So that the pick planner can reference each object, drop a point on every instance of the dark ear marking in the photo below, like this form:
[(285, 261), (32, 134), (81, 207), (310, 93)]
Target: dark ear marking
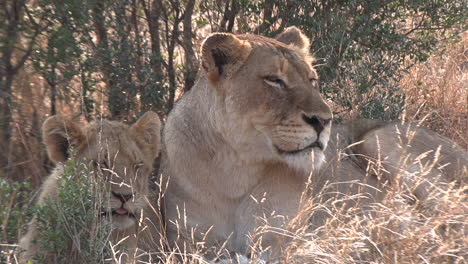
[(294, 36), (65, 146), (222, 54), (220, 59), (59, 134), (146, 132)]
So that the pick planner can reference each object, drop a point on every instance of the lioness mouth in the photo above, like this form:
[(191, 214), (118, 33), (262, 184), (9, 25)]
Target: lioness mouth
[(316, 144)]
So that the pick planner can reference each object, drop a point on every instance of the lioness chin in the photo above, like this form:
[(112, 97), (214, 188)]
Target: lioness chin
[(122, 157), (254, 133)]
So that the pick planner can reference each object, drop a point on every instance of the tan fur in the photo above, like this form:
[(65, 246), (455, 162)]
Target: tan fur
[(232, 146), (123, 155)]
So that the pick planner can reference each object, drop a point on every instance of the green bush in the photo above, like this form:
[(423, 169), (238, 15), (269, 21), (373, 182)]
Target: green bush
[(14, 214), (146, 53), (14, 206), (70, 227)]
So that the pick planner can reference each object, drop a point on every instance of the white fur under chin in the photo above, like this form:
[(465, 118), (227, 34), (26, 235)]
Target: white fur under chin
[(122, 222), (306, 162)]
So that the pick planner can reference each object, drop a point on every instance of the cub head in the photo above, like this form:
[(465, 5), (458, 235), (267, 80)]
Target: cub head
[(122, 155), (269, 105)]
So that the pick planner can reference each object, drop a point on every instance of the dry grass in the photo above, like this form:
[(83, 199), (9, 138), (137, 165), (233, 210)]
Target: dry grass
[(395, 230), (395, 233), (438, 92)]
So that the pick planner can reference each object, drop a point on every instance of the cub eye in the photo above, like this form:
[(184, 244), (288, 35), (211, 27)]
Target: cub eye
[(138, 165), (102, 164), (275, 81)]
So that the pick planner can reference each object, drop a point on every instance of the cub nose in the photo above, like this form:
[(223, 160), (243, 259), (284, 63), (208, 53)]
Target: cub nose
[(123, 197), (316, 122)]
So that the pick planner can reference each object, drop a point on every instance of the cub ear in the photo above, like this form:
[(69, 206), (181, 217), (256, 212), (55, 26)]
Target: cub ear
[(222, 54), (294, 36), (59, 134), (146, 132)]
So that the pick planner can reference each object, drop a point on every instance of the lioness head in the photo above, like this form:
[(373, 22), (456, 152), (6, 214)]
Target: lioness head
[(121, 155), (268, 92)]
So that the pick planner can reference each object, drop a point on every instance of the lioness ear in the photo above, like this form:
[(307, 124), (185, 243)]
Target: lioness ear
[(222, 54), (293, 36), (59, 134), (146, 132)]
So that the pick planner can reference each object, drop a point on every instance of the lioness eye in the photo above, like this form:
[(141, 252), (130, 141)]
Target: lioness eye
[(313, 81), (275, 81)]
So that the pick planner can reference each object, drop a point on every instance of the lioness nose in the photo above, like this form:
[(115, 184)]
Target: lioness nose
[(123, 197), (316, 122)]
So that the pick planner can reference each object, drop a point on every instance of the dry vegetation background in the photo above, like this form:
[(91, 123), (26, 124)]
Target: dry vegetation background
[(99, 78), (437, 91)]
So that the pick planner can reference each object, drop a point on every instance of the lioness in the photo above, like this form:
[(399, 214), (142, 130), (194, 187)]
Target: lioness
[(241, 145), (123, 155)]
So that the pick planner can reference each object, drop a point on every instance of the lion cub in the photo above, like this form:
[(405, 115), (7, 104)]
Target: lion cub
[(123, 157)]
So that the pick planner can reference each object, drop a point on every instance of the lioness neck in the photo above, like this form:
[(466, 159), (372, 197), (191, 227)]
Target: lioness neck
[(197, 127)]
